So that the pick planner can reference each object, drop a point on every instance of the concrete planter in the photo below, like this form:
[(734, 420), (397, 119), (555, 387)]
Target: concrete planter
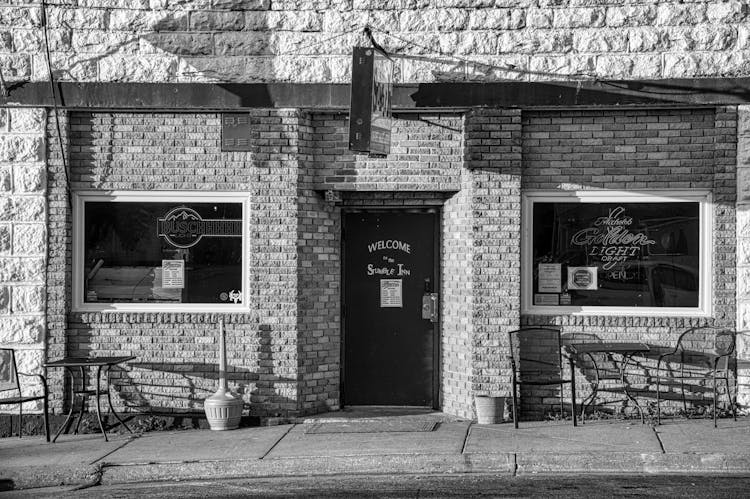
[(223, 410)]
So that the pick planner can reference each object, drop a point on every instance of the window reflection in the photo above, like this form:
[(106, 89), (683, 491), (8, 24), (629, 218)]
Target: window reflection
[(162, 252), (642, 254)]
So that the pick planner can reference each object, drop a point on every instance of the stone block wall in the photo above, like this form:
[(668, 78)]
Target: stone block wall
[(23, 241), (307, 41), (632, 150), (743, 253)]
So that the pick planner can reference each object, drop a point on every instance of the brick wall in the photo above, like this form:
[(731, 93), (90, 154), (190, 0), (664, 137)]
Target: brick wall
[(457, 300), (23, 241), (305, 41), (319, 277), (177, 353), (59, 251), (631, 150), (283, 355), (425, 155), (493, 156)]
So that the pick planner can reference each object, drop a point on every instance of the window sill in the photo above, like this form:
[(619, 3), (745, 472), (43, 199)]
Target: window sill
[(619, 311), (161, 307)]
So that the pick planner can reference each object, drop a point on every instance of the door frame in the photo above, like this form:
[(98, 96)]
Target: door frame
[(437, 258)]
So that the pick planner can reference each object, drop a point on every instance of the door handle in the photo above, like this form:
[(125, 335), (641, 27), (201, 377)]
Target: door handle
[(430, 307)]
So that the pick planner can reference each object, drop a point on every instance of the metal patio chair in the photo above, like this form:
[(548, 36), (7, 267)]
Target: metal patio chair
[(702, 354), (10, 382), (536, 360), (742, 369)]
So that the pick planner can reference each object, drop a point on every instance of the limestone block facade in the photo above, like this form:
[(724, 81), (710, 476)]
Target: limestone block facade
[(494, 100), (309, 41), (743, 247), (23, 237)]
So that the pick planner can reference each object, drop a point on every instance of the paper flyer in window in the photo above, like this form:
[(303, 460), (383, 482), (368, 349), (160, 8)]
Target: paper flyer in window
[(542, 299), (173, 274), (582, 278), (391, 293), (550, 277)]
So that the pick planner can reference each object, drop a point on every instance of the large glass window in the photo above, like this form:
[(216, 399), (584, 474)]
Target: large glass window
[(159, 251), (599, 252)]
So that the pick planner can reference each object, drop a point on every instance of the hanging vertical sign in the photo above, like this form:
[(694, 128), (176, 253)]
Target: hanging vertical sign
[(370, 109)]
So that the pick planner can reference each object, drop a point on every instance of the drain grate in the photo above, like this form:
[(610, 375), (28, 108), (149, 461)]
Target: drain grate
[(371, 427)]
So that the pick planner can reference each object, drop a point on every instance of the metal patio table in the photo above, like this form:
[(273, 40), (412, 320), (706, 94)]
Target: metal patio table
[(626, 350), (82, 363)]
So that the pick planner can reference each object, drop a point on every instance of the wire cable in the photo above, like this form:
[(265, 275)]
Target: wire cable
[(297, 50), (510, 69), (55, 105)]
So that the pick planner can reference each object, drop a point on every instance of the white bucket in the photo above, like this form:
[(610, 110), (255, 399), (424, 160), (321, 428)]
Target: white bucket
[(490, 410)]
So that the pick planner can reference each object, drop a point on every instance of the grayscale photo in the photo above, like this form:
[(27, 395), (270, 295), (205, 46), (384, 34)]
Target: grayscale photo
[(374, 248)]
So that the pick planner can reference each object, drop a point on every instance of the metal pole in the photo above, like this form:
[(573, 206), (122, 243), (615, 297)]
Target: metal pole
[(222, 358)]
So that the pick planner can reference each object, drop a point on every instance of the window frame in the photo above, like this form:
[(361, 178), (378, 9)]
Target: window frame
[(80, 198), (706, 233)]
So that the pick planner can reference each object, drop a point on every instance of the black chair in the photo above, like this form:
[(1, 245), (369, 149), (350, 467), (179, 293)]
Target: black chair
[(741, 368), (9, 381), (701, 354), (536, 360)]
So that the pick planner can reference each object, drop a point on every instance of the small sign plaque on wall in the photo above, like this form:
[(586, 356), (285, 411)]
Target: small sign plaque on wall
[(237, 132)]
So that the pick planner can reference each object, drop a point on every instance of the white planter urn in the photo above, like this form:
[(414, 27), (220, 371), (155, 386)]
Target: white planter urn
[(223, 409)]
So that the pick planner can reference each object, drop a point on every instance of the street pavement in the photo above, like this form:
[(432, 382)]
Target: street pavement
[(349, 443)]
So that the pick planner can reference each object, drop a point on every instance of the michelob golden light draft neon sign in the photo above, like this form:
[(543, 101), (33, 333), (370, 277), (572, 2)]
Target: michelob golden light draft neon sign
[(183, 227), (370, 109)]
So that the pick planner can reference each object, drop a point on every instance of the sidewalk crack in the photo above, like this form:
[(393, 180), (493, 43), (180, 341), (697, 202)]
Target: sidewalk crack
[(277, 442), (466, 437), (658, 439), (130, 439)]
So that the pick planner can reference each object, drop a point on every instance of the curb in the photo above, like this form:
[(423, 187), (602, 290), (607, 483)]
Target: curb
[(33, 477), (501, 463), (311, 466), (510, 464), (630, 462)]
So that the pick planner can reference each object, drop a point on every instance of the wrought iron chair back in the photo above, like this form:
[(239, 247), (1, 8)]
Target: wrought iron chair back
[(742, 369), (10, 381), (536, 359), (700, 354)]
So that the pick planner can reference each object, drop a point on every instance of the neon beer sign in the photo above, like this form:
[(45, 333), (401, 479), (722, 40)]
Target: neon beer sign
[(611, 239), (183, 227)]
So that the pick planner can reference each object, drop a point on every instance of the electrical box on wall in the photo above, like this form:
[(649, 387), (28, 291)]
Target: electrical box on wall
[(238, 132)]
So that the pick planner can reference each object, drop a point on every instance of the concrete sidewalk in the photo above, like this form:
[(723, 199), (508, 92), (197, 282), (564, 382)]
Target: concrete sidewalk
[(335, 445)]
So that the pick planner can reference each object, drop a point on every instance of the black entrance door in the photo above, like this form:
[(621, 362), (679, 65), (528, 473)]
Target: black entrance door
[(389, 348)]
